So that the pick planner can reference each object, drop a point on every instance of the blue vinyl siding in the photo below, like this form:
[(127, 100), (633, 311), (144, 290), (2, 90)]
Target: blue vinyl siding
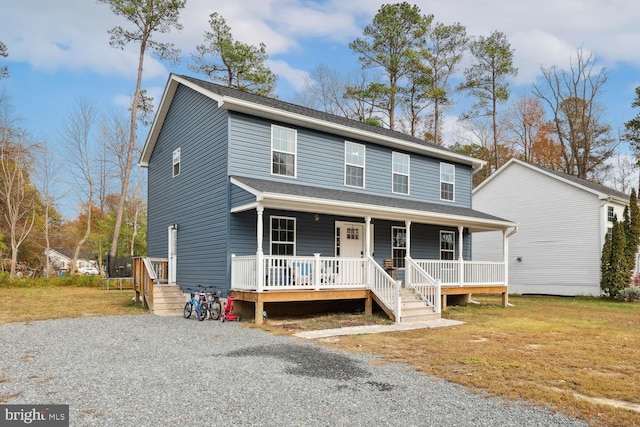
[(320, 162), (198, 198)]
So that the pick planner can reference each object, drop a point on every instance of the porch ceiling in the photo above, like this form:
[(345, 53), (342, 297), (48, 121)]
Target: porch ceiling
[(304, 198)]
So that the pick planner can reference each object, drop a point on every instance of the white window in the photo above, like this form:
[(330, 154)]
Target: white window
[(283, 151), (400, 173), (447, 245), (398, 246), (447, 181), (283, 235), (354, 164), (610, 213), (176, 162)]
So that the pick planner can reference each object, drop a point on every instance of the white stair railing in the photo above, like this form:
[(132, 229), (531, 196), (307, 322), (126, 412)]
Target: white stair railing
[(426, 286)]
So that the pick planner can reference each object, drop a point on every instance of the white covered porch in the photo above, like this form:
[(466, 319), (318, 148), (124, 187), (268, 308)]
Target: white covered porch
[(260, 277)]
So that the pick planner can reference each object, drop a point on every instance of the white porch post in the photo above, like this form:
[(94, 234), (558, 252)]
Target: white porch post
[(367, 238), (259, 253), (460, 257), (407, 271), (173, 254)]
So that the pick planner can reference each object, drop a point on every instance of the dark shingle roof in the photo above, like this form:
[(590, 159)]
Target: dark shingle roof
[(585, 183), (278, 187), (309, 112)]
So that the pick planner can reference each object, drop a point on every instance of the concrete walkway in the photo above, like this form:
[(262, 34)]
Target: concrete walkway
[(376, 329)]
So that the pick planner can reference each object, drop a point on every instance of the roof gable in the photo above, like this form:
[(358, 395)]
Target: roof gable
[(599, 190), (277, 110)]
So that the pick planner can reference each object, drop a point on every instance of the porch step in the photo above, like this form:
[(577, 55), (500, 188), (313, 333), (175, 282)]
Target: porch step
[(168, 300), (414, 309)]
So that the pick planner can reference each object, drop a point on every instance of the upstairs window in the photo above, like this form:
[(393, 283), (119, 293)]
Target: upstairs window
[(283, 151), (400, 173), (354, 164), (447, 181), (176, 162), (447, 245), (610, 214)]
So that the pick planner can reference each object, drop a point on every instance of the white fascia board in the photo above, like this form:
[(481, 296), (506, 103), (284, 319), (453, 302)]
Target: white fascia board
[(285, 201), (247, 207), (259, 194), (241, 106), (163, 110)]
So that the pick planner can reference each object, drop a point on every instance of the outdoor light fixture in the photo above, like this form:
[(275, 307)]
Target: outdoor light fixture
[(316, 217)]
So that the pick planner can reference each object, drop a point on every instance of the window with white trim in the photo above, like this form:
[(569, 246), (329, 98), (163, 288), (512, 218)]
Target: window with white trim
[(447, 245), (398, 246), (176, 162), (354, 164), (400, 178), (610, 214), (447, 181), (283, 151), (283, 235)]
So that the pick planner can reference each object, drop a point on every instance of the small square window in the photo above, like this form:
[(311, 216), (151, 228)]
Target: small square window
[(176, 162)]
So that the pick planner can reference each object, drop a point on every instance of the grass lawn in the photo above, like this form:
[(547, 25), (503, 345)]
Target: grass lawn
[(580, 356)]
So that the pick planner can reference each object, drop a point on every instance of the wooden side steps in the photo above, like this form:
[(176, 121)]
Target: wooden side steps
[(168, 300), (415, 309)]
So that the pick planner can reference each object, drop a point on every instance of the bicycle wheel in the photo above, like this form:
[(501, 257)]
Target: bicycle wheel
[(188, 308), (202, 313), (215, 309)]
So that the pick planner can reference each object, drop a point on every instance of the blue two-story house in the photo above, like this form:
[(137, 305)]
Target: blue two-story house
[(274, 202)]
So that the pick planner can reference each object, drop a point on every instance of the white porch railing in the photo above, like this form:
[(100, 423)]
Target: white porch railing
[(464, 272), (426, 286), (289, 272)]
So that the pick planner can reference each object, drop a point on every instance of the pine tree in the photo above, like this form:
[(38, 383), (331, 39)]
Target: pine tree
[(632, 230), (620, 275), (605, 265)]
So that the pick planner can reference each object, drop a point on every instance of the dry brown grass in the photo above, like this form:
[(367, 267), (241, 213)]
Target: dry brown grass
[(553, 352), (37, 302)]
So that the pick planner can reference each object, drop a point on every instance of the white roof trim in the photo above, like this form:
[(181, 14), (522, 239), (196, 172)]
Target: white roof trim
[(235, 104), (601, 195)]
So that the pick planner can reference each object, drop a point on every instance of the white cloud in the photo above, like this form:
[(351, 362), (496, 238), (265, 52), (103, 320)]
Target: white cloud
[(296, 78)]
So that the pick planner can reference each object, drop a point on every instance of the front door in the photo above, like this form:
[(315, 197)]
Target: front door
[(350, 239)]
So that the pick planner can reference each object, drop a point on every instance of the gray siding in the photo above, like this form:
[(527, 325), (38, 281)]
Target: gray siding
[(197, 199), (320, 162)]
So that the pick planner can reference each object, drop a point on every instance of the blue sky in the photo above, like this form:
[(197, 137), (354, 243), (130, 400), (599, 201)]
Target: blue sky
[(59, 50)]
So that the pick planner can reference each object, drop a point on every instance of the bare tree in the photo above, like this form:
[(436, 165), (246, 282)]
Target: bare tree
[(17, 195), (78, 136), (572, 97), (148, 17), (49, 170)]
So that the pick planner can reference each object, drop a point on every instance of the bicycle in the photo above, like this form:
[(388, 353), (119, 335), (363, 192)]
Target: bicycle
[(197, 301), (213, 303)]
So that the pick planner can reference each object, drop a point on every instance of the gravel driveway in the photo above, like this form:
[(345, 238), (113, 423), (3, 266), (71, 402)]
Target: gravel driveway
[(164, 371)]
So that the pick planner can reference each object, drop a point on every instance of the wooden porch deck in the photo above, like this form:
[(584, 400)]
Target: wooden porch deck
[(259, 299)]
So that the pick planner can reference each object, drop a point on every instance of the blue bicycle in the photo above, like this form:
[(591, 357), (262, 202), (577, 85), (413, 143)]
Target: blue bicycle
[(197, 302)]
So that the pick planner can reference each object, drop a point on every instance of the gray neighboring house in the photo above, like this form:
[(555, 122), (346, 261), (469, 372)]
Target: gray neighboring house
[(562, 225), (254, 194)]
